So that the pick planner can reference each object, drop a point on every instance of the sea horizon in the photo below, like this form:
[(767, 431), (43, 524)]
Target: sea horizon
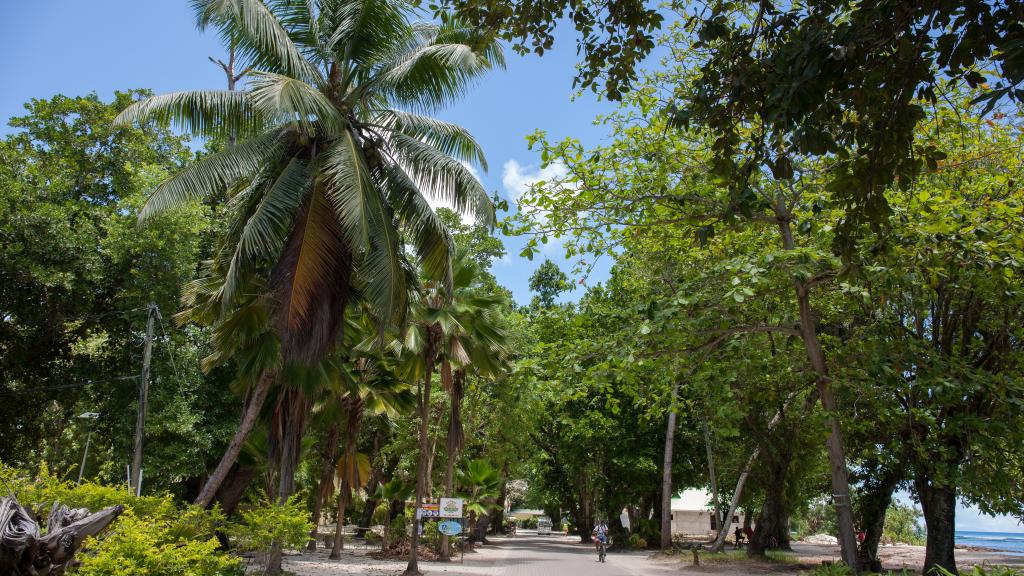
[(1010, 542)]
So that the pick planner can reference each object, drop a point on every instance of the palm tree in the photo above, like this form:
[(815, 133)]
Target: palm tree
[(480, 484), (332, 168), (380, 392), (473, 341), (446, 325), (387, 492)]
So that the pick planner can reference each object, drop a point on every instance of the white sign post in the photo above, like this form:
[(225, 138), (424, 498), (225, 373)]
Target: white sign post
[(451, 507)]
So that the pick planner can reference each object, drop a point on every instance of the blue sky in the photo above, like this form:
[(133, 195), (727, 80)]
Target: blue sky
[(74, 47)]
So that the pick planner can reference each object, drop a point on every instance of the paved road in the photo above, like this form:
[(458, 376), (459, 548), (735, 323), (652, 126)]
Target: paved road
[(555, 555), (523, 555)]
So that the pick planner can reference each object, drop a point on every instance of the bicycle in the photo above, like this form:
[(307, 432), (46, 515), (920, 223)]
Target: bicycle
[(602, 550)]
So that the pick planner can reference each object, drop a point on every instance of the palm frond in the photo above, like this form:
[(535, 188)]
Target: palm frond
[(451, 139), (267, 228), (209, 113), (259, 35), (213, 173), (427, 233), (311, 282), (276, 95), (431, 76), (442, 177), (368, 226)]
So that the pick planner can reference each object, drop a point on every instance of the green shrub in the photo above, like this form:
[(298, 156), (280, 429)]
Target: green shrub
[(265, 522), (137, 547), (637, 541)]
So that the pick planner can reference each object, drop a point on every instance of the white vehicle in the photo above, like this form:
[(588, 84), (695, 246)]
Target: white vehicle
[(544, 526)]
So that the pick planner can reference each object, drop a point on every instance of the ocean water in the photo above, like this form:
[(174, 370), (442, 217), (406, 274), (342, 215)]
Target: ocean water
[(1005, 541)]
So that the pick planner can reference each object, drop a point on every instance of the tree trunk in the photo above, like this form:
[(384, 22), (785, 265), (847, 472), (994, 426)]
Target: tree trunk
[(726, 523), (874, 503), (355, 418), (234, 486), (325, 486), (717, 503), (834, 445), (449, 490), (723, 527), (939, 506), (773, 521), (250, 414), (421, 468), (290, 419), (666, 473), (375, 479)]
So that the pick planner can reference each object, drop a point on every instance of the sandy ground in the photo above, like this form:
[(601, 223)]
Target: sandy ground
[(558, 556), (806, 556)]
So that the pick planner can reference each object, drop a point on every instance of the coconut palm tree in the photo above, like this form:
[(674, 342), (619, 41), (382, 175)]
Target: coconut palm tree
[(334, 162)]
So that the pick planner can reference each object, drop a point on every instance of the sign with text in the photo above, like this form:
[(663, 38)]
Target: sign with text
[(451, 507), (429, 511), (450, 527)]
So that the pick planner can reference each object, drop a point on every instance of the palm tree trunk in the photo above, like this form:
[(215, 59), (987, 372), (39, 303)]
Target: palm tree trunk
[(326, 485), (290, 420), (355, 418), (250, 414), (421, 468), (453, 445)]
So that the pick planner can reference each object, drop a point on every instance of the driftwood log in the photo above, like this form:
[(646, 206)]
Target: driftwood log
[(25, 549)]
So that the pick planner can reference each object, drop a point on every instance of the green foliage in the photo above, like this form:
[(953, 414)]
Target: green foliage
[(548, 281), (637, 541), (981, 571), (265, 522), (614, 37), (155, 535), (71, 187), (901, 525), (140, 547)]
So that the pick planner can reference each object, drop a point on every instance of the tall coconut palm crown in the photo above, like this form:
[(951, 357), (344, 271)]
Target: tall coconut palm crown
[(335, 156)]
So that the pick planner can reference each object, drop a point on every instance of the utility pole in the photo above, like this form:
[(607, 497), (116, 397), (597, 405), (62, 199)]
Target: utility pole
[(140, 422)]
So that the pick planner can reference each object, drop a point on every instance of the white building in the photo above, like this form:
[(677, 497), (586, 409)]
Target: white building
[(692, 515)]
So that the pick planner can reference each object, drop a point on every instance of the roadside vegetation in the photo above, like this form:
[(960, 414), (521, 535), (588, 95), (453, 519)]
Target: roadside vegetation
[(815, 302)]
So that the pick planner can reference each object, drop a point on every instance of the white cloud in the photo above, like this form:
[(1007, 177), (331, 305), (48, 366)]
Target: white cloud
[(518, 179)]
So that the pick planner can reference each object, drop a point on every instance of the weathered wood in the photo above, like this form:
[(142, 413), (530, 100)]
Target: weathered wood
[(24, 549)]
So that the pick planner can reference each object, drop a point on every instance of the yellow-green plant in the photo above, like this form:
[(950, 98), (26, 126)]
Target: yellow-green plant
[(144, 546)]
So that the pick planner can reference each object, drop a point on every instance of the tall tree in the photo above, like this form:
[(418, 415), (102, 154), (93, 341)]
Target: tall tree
[(328, 173)]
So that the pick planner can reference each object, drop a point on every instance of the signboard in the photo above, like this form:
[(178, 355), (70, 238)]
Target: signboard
[(450, 527), (451, 507), (429, 511)]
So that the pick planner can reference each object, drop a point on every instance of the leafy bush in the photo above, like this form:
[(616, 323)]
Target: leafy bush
[(637, 541), (154, 546), (265, 522)]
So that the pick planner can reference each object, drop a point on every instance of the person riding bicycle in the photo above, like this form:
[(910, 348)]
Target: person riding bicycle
[(600, 533)]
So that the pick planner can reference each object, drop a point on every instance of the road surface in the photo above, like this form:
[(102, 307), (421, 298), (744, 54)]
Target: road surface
[(526, 554), (531, 555)]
